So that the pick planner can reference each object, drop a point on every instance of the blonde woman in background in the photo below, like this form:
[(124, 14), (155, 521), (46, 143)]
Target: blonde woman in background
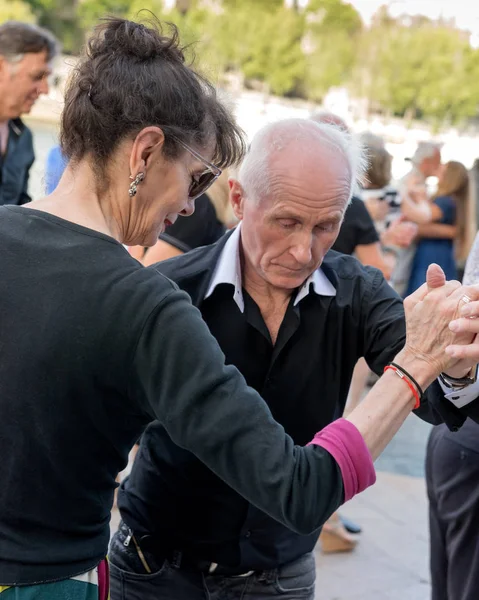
[(446, 236)]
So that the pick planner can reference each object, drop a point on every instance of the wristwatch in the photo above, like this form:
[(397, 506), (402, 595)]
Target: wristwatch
[(459, 383)]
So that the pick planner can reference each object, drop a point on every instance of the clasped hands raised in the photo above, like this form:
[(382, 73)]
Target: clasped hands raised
[(442, 331)]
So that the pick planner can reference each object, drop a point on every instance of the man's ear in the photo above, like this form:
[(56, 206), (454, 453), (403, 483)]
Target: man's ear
[(237, 197)]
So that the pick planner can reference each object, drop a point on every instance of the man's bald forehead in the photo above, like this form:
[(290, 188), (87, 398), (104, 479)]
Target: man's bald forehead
[(299, 141)]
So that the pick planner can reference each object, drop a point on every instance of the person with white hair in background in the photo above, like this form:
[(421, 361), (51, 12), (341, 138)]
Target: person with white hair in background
[(294, 318), (415, 205)]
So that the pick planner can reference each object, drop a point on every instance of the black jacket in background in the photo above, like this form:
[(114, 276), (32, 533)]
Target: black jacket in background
[(15, 165)]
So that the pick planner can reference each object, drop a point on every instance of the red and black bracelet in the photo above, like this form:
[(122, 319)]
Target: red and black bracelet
[(410, 381)]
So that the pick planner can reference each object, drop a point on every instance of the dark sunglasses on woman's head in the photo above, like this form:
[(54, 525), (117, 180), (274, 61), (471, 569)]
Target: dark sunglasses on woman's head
[(200, 183)]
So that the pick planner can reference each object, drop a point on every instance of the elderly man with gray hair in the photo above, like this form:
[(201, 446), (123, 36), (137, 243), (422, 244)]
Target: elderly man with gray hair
[(26, 52), (294, 318)]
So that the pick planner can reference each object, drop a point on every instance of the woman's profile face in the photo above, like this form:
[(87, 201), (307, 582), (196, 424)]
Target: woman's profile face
[(162, 196)]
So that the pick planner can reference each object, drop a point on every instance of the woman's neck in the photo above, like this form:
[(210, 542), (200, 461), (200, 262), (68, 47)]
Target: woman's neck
[(76, 199)]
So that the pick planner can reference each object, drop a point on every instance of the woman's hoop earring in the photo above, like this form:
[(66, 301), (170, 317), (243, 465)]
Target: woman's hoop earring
[(135, 183)]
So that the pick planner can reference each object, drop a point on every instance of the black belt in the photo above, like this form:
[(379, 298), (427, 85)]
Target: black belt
[(178, 558)]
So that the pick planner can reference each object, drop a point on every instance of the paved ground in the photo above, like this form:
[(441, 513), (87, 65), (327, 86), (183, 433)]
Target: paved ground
[(390, 561)]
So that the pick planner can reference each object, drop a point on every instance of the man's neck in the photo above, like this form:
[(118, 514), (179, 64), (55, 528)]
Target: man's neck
[(258, 288), (271, 301)]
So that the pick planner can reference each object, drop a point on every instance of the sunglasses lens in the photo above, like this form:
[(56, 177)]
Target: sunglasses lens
[(199, 187)]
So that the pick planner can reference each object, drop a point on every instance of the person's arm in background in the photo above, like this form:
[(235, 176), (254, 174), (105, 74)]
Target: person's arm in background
[(416, 205), (137, 252), (200, 229), (437, 230), (372, 256), (160, 251), (400, 233)]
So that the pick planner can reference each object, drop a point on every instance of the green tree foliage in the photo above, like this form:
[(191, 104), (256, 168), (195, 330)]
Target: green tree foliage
[(261, 39), (141, 9), (89, 11), (427, 69), (413, 67), (60, 17), (269, 5), (16, 10), (271, 51), (331, 40), (333, 15)]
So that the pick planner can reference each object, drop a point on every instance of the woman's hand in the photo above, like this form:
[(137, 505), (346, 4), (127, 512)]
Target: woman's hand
[(466, 324), (429, 312)]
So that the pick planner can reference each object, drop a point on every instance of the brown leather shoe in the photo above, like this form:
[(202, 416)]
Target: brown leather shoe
[(335, 538)]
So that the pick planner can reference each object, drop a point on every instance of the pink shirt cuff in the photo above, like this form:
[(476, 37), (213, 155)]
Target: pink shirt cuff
[(346, 445)]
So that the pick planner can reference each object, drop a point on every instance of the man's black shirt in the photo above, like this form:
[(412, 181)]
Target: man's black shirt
[(304, 378)]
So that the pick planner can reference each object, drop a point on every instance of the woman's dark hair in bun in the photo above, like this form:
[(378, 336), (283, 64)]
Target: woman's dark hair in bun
[(132, 75)]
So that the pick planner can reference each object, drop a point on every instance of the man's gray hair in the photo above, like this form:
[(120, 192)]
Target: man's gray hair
[(277, 137), (424, 150), (18, 39)]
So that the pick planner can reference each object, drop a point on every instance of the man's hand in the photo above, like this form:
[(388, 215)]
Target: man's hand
[(429, 312)]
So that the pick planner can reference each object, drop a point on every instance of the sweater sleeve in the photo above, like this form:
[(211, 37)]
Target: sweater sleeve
[(179, 375), (343, 440)]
